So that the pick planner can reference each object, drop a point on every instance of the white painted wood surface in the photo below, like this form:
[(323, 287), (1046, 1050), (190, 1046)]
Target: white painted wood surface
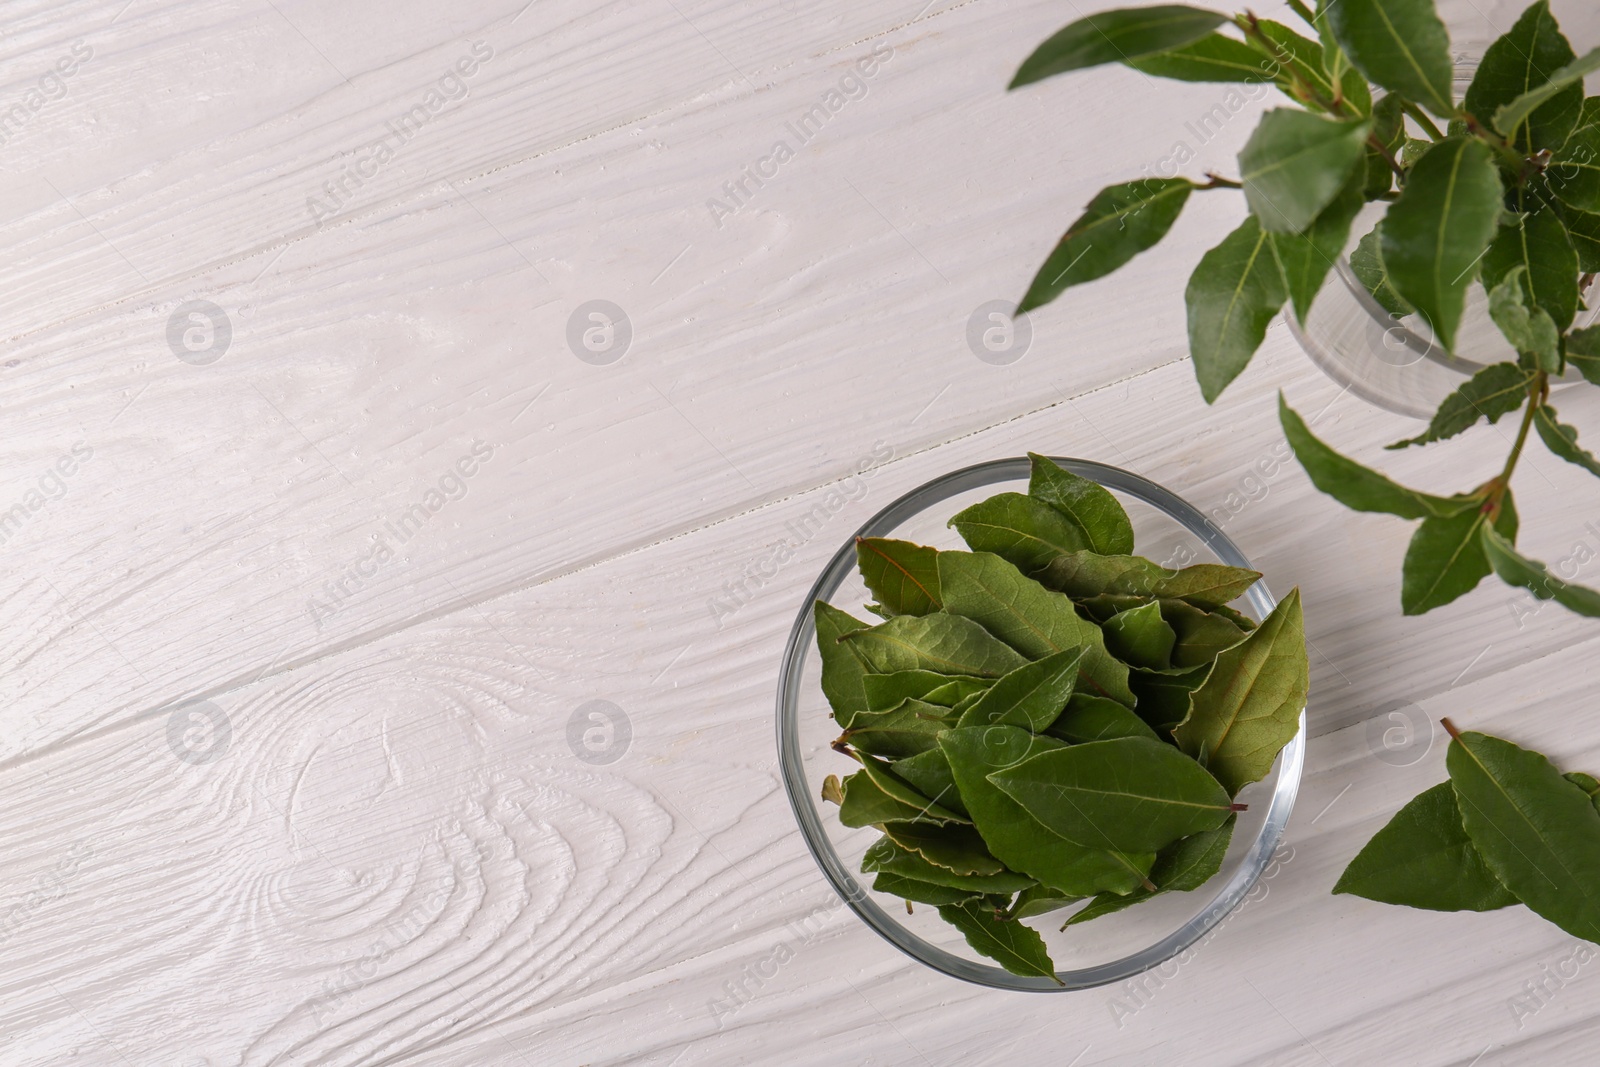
[(395, 857)]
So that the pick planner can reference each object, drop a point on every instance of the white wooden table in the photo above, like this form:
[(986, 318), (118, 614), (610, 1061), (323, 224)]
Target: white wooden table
[(369, 508)]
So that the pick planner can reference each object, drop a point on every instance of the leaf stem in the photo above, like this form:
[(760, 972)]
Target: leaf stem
[(1303, 90), (1519, 163), (1420, 117), (1217, 181), (1502, 481), (1450, 728)]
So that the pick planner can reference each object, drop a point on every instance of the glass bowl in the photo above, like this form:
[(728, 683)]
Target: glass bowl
[(1112, 948), (1394, 361)]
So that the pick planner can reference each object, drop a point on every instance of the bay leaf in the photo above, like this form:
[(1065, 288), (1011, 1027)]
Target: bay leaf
[(1562, 440), (1537, 242), (1115, 37), (1435, 235), (1295, 164), (1088, 574), (1233, 295), (843, 668), (1182, 866), (865, 802), (1399, 44), (1306, 257), (1165, 698), (947, 643), (1140, 637), (885, 856), (1355, 486), (885, 691), (1510, 116), (1213, 58), (956, 848), (1446, 559), (1032, 696), (1423, 858), (1119, 223), (1037, 622), (921, 892), (903, 576), (930, 775), (1535, 830), (910, 727), (1494, 391), (1519, 60), (1515, 569), (1531, 332), (1017, 948), (1366, 263), (1249, 705), (1086, 503), (1014, 837), (1038, 900), (1026, 531), (1130, 794), (1089, 718)]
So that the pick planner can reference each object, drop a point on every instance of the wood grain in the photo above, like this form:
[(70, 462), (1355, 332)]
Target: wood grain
[(376, 841)]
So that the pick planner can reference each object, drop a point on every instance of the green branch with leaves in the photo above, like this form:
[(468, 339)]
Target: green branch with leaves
[(1500, 189)]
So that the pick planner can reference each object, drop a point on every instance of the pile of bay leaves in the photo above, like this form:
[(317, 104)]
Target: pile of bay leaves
[(1507, 828), (1048, 718)]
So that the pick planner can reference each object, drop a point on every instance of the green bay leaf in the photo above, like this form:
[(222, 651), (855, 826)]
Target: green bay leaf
[(885, 691), (1437, 232), (1232, 297), (1537, 247), (1515, 569), (1089, 574), (1180, 867), (1088, 718), (1355, 486), (1445, 559), (1493, 392), (912, 726), (1119, 223), (1296, 163), (1562, 440), (1535, 830), (1574, 172), (1017, 839), (1032, 696), (1521, 59), (1399, 44), (1035, 621), (903, 576), (946, 643), (1024, 530), (1140, 637), (921, 892), (1366, 263), (843, 668), (1213, 58), (1510, 116), (1115, 37), (887, 856), (1017, 948), (1423, 858), (1129, 794), (1249, 705), (1306, 258), (1087, 504)]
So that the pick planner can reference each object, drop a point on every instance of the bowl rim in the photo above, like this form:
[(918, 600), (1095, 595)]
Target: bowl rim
[(1290, 763)]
